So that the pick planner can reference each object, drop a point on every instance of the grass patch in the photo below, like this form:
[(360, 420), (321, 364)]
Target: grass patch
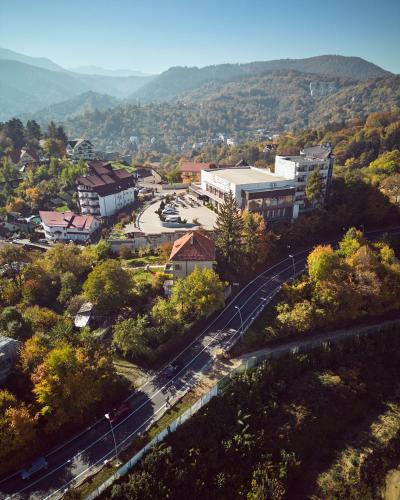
[(144, 261), (63, 208), (128, 370)]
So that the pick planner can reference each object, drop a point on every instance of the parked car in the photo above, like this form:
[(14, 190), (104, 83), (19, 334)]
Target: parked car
[(168, 211), (119, 413), (171, 369), (37, 465), (172, 218), (43, 241)]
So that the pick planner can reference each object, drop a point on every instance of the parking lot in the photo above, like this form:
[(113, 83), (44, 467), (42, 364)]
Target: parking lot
[(189, 208)]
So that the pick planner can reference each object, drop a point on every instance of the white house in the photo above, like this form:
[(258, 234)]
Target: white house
[(80, 149), (301, 166), (190, 251), (254, 189), (105, 191), (67, 226)]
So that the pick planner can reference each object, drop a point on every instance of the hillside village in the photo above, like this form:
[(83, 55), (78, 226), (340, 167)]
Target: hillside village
[(199, 278)]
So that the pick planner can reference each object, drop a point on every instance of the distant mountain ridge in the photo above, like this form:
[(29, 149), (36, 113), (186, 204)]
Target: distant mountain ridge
[(40, 62), (67, 110), (274, 101), (97, 70), (179, 80)]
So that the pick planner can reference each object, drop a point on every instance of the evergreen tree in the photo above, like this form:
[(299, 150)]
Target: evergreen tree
[(15, 131), (315, 189), (228, 233), (61, 135), (33, 132)]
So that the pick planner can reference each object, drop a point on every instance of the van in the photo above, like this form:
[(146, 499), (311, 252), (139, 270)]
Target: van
[(37, 465)]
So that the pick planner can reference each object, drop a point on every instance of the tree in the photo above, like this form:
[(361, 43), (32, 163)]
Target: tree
[(69, 287), (70, 382), (14, 324), (228, 232), (108, 286), (321, 263), (130, 336), (254, 241), (33, 132), (197, 295), (315, 188), (67, 259), (13, 260), (351, 242)]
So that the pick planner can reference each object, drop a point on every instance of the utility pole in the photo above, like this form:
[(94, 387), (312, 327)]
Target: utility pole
[(107, 415), (294, 267), (241, 321)]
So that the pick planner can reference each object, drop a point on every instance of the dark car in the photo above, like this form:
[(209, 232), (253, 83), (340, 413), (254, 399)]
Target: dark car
[(119, 413), (37, 465), (171, 369)]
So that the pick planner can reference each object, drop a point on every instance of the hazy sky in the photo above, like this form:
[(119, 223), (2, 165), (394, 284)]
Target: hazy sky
[(152, 35)]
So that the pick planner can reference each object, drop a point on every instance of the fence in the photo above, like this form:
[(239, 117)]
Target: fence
[(124, 469)]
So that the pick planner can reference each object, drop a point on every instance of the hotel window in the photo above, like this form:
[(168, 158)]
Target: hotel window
[(270, 202), (255, 204)]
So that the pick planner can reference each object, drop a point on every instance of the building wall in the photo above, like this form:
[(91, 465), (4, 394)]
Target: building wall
[(113, 203), (300, 170), (104, 206), (213, 181), (8, 355), (181, 269)]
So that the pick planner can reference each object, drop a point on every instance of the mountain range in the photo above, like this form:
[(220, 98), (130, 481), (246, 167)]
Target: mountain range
[(191, 102)]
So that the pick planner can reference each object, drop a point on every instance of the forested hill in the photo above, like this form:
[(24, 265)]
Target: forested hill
[(61, 111), (275, 100), (177, 80)]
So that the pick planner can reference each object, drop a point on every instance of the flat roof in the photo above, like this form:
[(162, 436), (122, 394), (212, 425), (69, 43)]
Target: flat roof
[(246, 175), (299, 158)]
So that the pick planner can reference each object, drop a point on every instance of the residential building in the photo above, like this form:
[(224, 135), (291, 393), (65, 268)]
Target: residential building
[(254, 189), (22, 158), (80, 149), (67, 226), (299, 168), (191, 170), (105, 191), (8, 356), (190, 251)]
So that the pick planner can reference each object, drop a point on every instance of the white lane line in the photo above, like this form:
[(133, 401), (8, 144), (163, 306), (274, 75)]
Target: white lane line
[(150, 399)]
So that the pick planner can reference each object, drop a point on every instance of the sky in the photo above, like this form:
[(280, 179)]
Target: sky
[(153, 35)]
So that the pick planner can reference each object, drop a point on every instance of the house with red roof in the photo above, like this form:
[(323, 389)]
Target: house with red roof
[(190, 251), (191, 170), (67, 226), (103, 192)]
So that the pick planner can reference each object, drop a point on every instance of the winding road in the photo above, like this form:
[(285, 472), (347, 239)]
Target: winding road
[(76, 458)]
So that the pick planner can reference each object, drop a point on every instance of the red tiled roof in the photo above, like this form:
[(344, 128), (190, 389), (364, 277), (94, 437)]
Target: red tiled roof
[(66, 220), (193, 246), (194, 167)]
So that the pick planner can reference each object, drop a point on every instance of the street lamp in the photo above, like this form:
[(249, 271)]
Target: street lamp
[(107, 415), (294, 267), (241, 321)]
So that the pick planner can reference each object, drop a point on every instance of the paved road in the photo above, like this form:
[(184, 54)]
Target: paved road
[(76, 458)]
